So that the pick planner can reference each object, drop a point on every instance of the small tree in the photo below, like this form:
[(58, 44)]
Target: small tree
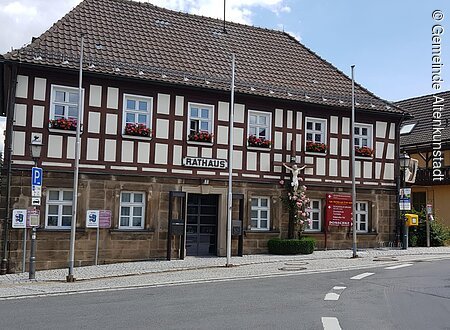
[(297, 203)]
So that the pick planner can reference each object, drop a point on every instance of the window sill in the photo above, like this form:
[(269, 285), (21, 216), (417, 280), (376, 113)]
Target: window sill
[(59, 230), (364, 157), (261, 231), (209, 144), (135, 231), (136, 137), (259, 149), (65, 131), (315, 153)]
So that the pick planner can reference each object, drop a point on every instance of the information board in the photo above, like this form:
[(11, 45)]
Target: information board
[(339, 210)]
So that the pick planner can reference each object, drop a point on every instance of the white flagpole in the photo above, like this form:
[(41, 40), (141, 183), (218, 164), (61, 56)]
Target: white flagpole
[(73, 225), (230, 166), (352, 135)]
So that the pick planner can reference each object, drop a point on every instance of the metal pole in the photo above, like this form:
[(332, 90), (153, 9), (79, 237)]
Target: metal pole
[(402, 213), (353, 166), (73, 225), (96, 246), (428, 230), (24, 245), (32, 271), (230, 166)]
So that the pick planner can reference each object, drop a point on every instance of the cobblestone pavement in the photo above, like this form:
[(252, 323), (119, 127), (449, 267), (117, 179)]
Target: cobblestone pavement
[(196, 269)]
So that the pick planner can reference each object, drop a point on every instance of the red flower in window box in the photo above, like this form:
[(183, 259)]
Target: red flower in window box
[(63, 123), (363, 151), (254, 141), (316, 147), (137, 130), (202, 136)]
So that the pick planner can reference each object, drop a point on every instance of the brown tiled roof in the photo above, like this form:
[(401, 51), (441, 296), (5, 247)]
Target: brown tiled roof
[(422, 109), (140, 40)]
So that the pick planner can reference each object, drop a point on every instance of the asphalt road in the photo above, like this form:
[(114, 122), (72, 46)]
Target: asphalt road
[(415, 296)]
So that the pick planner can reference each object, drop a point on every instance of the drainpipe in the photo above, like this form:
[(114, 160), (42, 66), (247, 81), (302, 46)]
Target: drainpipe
[(7, 160)]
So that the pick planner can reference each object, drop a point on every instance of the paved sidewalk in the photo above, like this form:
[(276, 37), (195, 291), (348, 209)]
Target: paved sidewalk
[(196, 270)]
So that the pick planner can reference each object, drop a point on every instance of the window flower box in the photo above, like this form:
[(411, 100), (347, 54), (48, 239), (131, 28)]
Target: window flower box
[(137, 130), (316, 147), (63, 124), (254, 141), (363, 151), (202, 136)]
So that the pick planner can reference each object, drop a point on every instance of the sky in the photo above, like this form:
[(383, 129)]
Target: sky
[(389, 42)]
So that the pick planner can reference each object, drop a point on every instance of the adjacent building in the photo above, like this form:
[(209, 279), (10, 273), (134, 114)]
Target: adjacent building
[(155, 120), (427, 139)]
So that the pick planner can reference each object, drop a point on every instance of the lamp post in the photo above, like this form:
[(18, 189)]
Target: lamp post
[(404, 164), (35, 150)]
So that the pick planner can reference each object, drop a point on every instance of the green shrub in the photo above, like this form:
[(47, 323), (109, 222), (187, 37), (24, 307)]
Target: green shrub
[(439, 234), (304, 245)]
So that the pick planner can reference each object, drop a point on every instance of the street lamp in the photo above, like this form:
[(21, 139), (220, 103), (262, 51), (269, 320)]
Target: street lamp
[(35, 150), (404, 164)]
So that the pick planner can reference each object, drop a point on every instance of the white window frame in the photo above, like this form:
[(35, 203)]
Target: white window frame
[(268, 126), (60, 203), (132, 205), (137, 98), (210, 120), (54, 89), (318, 211), (260, 208), (323, 132), (359, 136), (359, 213)]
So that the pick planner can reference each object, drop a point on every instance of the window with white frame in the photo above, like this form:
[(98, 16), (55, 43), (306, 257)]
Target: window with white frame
[(363, 135), (132, 210), (260, 213), (59, 208), (64, 103), (259, 124), (362, 216), (316, 130), (315, 215), (137, 113), (200, 118)]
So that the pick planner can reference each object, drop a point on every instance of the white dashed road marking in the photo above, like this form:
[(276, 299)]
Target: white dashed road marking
[(399, 266), (330, 323), (334, 295), (360, 276)]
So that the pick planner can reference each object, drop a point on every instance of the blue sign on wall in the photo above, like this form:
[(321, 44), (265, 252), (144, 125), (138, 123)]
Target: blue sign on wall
[(36, 176)]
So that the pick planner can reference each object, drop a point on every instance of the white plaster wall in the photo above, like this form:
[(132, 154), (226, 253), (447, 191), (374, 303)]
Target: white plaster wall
[(223, 111), (18, 143), (127, 151), (55, 146), (389, 171), (289, 118), (20, 114), (110, 150), (264, 162), (178, 130), (37, 119), (239, 113), (345, 147), (177, 151), (179, 105), (207, 152), (95, 96), (92, 149), (111, 124), (71, 147), (112, 100), (379, 146), (163, 105), (279, 117), (345, 125), (222, 135), (345, 168), (22, 86), (320, 166), (367, 170), (333, 169), (238, 136), (278, 140), (251, 161), (40, 86), (94, 122), (237, 159), (333, 146), (299, 121), (143, 152), (381, 129), (162, 128)]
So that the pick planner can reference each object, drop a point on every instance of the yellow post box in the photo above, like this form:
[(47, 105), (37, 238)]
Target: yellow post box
[(412, 219)]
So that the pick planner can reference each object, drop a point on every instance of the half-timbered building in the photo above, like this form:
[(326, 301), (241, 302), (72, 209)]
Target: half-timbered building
[(155, 120)]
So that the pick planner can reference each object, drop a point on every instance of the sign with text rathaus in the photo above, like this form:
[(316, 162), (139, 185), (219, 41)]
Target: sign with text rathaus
[(205, 162)]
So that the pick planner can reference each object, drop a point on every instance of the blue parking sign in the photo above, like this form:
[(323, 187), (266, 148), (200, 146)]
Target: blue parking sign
[(36, 176)]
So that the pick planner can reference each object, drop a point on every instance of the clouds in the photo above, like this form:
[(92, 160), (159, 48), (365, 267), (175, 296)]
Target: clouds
[(30, 18)]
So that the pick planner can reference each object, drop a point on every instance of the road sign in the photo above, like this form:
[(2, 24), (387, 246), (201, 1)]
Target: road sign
[(36, 176), (19, 219), (36, 201), (339, 210), (105, 218), (36, 191), (92, 218), (33, 217), (429, 209)]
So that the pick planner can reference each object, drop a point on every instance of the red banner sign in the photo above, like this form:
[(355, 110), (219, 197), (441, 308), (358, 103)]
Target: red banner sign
[(339, 210), (104, 219)]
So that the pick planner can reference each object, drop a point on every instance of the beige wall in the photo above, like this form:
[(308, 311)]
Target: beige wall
[(439, 197)]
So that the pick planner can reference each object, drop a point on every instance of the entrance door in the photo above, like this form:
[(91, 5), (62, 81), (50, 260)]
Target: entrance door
[(201, 228)]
